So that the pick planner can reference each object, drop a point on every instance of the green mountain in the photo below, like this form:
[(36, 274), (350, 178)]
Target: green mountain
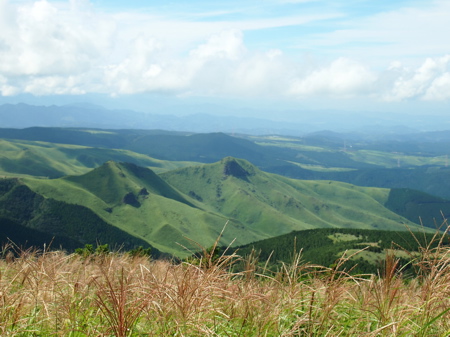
[(194, 203), (139, 202), (272, 205), (364, 163), (177, 146), (27, 218), (52, 160)]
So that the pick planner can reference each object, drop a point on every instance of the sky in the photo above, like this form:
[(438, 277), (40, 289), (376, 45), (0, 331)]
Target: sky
[(247, 55)]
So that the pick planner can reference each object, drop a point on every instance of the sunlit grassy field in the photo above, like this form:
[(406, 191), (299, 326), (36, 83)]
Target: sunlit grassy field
[(55, 294), (51, 160)]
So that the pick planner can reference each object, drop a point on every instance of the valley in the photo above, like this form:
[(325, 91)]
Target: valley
[(175, 191)]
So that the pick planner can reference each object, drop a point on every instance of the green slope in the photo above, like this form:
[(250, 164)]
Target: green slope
[(28, 217), (297, 158), (272, 204), (195, 202), (33, 158), (112, 181), (139, 202), (419, 207)]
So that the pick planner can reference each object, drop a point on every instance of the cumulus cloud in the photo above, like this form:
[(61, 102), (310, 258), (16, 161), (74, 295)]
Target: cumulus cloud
[(430, 81), (43, 47), (439, 89), (49, 48), (139, 71), (347, 78), (226, 44), (262, 73), (41, 39), (6, 89), (220, 65), (342, 77)]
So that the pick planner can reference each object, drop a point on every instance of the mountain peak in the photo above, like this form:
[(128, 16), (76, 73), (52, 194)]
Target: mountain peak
[(238, 168), (123, 182)]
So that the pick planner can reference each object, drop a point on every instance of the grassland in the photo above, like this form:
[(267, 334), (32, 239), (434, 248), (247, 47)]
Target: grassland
[(28, 218), (276, 205), (193, 200), (196, 202), (386, 159), (160, 215), (55, 294), (365, 162), (321, 168), (391, 160), (21, 158)]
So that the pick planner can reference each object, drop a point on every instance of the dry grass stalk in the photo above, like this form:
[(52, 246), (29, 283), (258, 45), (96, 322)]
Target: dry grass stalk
[(55, 294)]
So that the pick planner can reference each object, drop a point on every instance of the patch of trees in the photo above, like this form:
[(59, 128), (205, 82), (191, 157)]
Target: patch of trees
[(316, 247)]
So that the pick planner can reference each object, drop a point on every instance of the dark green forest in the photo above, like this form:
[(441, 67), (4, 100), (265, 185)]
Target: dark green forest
[(316, 247)]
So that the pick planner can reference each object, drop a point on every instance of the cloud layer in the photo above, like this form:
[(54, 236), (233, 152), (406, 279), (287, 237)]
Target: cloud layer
[(49, 48)]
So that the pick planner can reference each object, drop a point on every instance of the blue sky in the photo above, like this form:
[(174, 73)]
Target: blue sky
[(359, 55)]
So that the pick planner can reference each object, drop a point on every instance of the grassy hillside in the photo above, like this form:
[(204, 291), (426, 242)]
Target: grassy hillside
[(136, 200), (30, 218), (358, 160), (111, 182), (354, 150), (259, 205), (196, 202), (418, 207), (42, 159), (405, 164), (84, 137), (273, 204), (429, 179), (432, 180), (175, 146), (325, 150)]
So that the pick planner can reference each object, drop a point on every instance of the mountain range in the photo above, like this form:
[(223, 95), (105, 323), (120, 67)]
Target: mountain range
[(215, 118), (169, 210), (420, 163), (175, 191)]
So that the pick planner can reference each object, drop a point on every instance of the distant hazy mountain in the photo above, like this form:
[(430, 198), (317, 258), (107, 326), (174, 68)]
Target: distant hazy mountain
[(93, 116), (298, 123)]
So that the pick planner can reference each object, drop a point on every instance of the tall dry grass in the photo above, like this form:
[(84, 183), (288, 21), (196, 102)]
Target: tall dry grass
[(55, 294)]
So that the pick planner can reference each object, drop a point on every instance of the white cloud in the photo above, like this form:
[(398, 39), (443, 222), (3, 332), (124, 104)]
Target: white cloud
[(40, 39), (6, 89), (226, 44), (69, 48), (439, 89), (54, 85), (429, 81), (219, 66), (49, 48), (342, 77), (258, 75)]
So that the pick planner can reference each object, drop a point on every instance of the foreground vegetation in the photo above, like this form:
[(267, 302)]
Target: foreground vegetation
[(104, 294)]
